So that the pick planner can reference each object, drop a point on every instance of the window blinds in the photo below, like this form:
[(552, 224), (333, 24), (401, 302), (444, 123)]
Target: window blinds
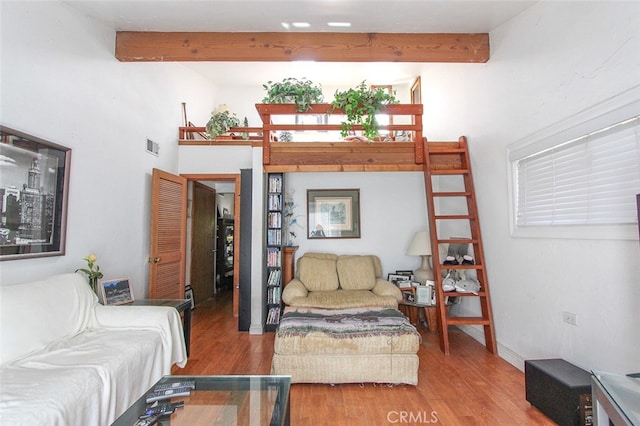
[(589, 180)]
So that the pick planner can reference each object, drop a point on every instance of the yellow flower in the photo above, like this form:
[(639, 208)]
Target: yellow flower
[(93, 271)]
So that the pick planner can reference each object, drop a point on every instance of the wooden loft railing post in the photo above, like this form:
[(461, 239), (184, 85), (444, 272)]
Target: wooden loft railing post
[(418, 143), (266, 138)]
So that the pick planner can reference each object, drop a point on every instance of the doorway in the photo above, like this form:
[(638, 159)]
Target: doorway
[(205, 235), (203, 259)]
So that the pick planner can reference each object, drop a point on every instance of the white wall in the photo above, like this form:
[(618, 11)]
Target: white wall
[(392, 210), (61, 82), (549, 63)]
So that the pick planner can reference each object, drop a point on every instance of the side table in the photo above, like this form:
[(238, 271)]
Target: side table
[(181, 305), (413, 309)]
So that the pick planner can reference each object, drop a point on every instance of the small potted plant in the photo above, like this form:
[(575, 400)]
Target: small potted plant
[(285, 136), (291, 90), (220, 123), (361, 105)]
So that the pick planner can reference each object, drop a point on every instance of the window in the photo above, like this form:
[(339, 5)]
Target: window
[(579, 180)]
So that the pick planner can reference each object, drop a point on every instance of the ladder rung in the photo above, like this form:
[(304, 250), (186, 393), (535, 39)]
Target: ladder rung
[(458, 241), (467, 321), (449, 171), (453, 216), (452, 194), (458, 294), (475, 266)]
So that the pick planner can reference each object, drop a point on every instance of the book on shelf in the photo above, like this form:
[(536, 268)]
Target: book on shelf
[(274, 277), (273, 295), (273, 317), (274, 202), (275, 183), (274, 237), (274, 220), (273, 257)]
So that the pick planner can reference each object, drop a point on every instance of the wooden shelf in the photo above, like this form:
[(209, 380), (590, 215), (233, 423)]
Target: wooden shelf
[(192, 135)]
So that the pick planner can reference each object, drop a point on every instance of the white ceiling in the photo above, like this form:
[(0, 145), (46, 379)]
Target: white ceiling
[(403, 16)]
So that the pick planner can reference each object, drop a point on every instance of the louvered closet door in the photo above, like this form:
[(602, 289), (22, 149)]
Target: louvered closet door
[(168, 236)]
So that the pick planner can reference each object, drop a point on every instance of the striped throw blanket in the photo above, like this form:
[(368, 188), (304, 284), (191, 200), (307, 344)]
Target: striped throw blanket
[(344, 323)]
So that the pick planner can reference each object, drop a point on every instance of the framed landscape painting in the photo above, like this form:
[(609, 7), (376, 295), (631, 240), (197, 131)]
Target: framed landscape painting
[(34, 181), (333, 213), (115, 291)]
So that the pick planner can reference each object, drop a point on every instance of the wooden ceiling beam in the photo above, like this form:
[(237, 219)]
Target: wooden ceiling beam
[(294, 46)]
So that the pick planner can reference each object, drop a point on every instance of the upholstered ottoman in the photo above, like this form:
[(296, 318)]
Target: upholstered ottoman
[(354, 345)]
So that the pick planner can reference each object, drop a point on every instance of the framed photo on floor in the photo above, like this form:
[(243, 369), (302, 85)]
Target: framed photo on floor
[(188, 293)]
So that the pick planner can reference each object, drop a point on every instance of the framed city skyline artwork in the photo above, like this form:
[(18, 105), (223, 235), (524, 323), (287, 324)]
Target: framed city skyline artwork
[(34, 180)]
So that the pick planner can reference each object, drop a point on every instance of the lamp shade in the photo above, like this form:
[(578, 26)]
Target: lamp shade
[(420, 245)]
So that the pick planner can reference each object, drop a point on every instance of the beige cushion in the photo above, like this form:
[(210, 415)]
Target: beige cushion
[(292, 290), (318, 274), (385, 288), (343, 299), (377, 265), (321, 255), (316, 255), (356, 272)]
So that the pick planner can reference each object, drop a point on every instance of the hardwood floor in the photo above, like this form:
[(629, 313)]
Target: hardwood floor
[(468, 387)]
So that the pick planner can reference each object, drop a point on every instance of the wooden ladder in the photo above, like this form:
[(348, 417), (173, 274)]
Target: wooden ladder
[(451, 159)]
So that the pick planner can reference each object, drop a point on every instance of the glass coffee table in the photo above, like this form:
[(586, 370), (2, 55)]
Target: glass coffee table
[(223, 400), (616, 397)]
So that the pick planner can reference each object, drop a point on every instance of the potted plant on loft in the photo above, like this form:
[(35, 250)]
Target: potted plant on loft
[(360, 105), (220, 122), (301, 92)]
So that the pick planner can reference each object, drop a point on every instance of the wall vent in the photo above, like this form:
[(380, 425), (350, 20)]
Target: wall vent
[(152, 147)]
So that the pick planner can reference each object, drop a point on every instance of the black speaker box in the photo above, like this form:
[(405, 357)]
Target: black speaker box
[(555, 387)]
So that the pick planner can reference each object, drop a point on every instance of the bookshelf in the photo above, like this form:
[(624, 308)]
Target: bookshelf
[(224, 257), (274, 249)]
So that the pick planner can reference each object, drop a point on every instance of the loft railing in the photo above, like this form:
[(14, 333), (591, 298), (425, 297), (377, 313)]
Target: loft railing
[(387, 153), (353, 154)]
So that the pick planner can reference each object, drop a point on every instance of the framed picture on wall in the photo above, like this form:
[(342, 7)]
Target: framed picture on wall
[(416, 89), (333, 213), (34, 182)]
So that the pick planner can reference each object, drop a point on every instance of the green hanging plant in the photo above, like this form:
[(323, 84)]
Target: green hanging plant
[(301, 92), (220, 123), (361, 105)]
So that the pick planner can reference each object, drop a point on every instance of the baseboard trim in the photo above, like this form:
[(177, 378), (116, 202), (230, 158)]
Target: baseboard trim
[(504, 352), (256, 329)]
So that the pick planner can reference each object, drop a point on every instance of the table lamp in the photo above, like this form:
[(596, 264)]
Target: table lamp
[(421, 246)]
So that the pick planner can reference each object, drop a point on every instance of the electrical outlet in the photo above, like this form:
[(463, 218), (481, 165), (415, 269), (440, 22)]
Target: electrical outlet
[(569, 318)]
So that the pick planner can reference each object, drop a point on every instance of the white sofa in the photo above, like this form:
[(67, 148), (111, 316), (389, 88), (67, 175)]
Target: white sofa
[(67, 360)]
